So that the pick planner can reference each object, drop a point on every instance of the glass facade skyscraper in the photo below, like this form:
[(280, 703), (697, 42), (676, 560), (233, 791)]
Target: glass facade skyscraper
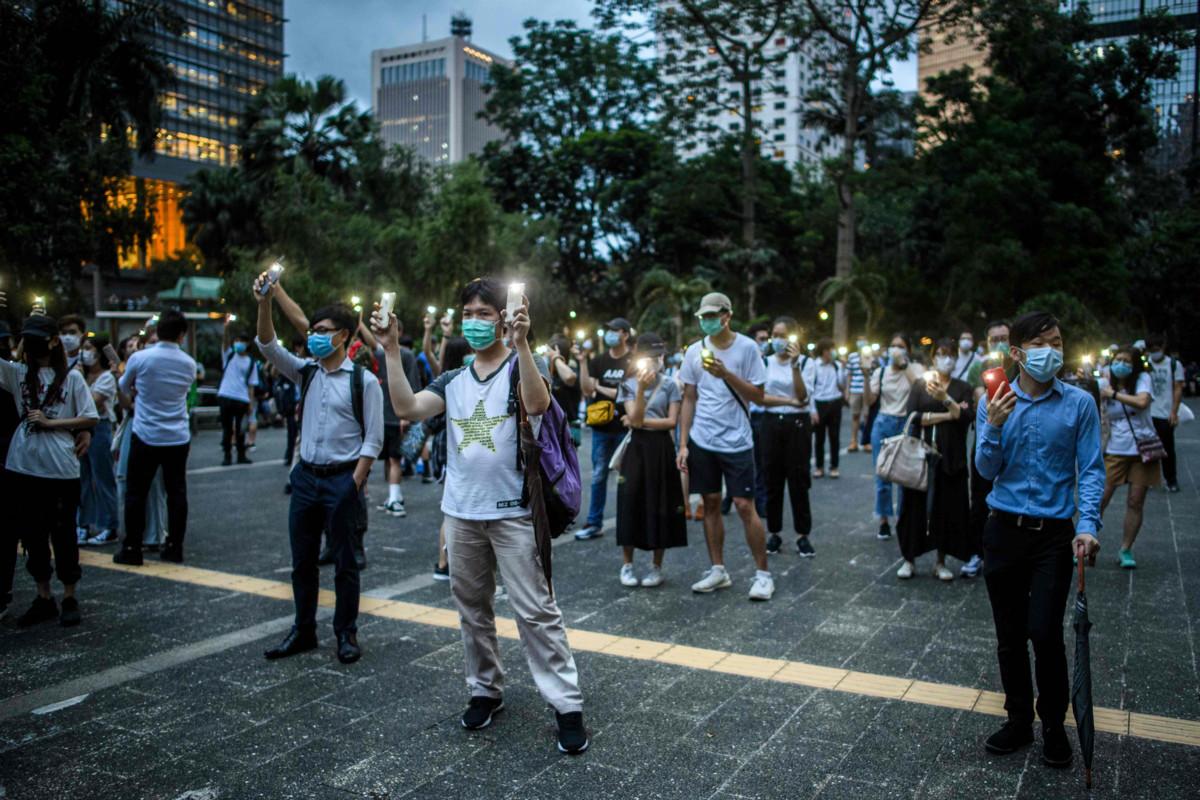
[(229, 51)]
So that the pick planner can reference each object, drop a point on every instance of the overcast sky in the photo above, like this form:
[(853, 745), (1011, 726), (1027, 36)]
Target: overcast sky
[(336, 37)]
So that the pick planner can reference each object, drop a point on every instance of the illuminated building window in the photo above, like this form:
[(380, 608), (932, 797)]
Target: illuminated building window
[(169, 235)]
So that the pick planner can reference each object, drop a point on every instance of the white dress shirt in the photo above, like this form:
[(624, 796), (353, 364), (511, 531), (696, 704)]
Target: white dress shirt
[(329, 433), (826, 381), (162, 375)]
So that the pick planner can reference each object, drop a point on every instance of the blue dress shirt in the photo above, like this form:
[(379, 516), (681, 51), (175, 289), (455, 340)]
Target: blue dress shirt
[(1034, 457)]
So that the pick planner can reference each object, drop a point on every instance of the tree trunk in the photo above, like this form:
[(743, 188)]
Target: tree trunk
[(749, 188), (847, 222)]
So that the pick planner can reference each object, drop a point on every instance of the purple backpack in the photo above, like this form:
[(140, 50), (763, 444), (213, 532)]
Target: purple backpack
[(562, 486)]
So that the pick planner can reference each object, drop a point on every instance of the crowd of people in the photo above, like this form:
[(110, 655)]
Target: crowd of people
[(97, 438)]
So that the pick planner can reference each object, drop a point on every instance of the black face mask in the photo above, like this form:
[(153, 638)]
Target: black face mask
[(36, 346)]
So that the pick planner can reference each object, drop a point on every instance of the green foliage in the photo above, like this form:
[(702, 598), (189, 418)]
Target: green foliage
[(78, 74)]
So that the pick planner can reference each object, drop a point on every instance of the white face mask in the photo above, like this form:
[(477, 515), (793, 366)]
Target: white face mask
[(898, 354), (88, 357), (965, 345), (70, 341), (1157, 356), (944, 364)]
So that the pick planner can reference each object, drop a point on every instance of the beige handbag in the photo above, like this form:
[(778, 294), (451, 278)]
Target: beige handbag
[(904, 459)]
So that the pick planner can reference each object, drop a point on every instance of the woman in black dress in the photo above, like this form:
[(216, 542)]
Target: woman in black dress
[(938, 518), (649, 494)]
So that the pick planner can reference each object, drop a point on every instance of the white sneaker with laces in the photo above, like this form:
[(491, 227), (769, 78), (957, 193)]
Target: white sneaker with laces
[(715, 578), (653, 578), (627, 576), (906, 571), (942, 573), (396, 509), (763, 587)]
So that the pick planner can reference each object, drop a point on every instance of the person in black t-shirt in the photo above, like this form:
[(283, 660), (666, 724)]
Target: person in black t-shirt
[(564, 384), (601, 378)]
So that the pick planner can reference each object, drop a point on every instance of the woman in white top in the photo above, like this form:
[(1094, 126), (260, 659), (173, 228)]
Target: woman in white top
[(891, 382), (1127, 398), (98, 520), (43, 464), (786, 437)]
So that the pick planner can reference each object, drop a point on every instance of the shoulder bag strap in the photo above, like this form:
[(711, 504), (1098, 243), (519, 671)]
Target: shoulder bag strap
[(729, 386)]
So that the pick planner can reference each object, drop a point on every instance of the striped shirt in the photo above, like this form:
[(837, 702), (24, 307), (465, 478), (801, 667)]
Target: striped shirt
[(854, 366)]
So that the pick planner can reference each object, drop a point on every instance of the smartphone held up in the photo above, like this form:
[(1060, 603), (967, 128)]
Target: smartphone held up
[(996, 382), (516, 295), (273, 274)]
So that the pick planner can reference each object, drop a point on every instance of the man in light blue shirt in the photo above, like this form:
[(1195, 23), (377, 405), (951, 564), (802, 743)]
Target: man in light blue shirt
[(1037, 442), (161, 376)]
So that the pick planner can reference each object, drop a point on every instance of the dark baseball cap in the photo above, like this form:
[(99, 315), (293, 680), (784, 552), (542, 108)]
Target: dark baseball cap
[(619, 324), (651, 344), (40, 325)]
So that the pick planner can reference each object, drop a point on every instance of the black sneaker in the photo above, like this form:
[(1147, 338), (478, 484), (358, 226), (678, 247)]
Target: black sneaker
[(572, 736), (1056, 747), (1172, 487), (226, 461), (172, 554), (69, 617), (804, 547), (128, 556), (1011, 737), (441, 573), (244, 459), (774, 543), (885, 531), (480, 711), (43, 609)]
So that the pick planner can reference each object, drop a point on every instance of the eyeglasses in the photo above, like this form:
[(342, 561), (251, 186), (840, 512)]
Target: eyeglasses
[(323, 331)]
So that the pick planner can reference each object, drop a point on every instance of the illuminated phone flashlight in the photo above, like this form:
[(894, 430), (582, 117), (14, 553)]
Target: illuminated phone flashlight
[(450, 313), (39, 300), (793, 338), (355, 300), (571, 314), (233, 317), (823, 315), (643, 364), (431, 310), (811, 346), (580, 335), (995, 355), (875, 348), (706, 354), (842, 351), (928, 376), (600, 332), (542, 350), (1087, 359)]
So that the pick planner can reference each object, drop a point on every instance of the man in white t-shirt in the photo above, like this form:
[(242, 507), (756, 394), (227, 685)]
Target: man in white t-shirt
[(1168, 377), (722, 374), (234, 396), (486, 526), (967, 357)]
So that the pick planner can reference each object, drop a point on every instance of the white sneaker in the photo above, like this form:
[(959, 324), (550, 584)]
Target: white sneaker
[(627, 576), (762, 588), (653, 578), (942, 573), (396, 509), (715, 578), (905, 572)]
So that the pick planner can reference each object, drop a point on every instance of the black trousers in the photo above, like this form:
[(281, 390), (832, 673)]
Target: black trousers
[(829, 418), (45, 518), (232, 413), (786, 441), (1028, 576), (293, 432), (1167, 434), (144, 461), (331, 504), (9, 536)]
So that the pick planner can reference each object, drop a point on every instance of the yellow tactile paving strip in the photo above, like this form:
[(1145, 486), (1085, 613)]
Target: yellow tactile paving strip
[(1109, 720)]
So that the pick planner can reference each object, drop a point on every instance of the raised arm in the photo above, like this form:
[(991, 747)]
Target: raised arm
[(290, 308), (535, 394), (431, 358), (406, 404)]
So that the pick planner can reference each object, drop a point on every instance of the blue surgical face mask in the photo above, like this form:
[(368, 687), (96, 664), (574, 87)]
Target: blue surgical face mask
[(765, 347), (1042, 363), (676, 359), (1120, 369), (1157, 356), (780, 345), (711, 327), (479, 333), (612, 338), (239, 347), (1001, 348), (320, 344)]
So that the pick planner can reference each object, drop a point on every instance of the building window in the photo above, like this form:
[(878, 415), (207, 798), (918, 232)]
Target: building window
[(782, 104), (780, 122), (416, 71), (779, 137)]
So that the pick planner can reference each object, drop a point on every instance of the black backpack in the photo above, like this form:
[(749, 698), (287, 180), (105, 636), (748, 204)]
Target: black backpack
[(309, 371)]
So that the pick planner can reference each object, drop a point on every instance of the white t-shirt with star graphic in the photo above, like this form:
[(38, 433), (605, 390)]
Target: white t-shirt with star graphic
[(482, 479)]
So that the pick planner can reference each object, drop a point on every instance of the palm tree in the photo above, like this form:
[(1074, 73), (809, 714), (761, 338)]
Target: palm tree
[(661, 294), (303, 123), (859, 288)]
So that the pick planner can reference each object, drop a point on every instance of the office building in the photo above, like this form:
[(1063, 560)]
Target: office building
[(427, 96), (229, 51), (950, 50)]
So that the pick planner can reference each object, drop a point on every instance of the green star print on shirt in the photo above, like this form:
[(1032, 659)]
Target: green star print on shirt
[(477, 428)]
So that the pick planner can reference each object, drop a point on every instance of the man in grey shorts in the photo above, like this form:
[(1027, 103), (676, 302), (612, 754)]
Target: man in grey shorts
[(721, 375)]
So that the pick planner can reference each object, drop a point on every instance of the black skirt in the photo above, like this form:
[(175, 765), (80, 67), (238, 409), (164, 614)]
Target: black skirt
[(940, 522), (650, 495)]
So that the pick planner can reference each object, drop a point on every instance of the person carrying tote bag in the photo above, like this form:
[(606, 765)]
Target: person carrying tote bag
[(904, 458)]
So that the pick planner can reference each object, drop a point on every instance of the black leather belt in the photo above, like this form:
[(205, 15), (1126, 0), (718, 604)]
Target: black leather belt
[(326, 470), (1029, 523)]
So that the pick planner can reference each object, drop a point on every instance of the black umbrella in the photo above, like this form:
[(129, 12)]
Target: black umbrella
[(1081, 692), (532, 492)]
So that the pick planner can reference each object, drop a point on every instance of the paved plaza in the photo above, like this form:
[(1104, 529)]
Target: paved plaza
[(849, 684)]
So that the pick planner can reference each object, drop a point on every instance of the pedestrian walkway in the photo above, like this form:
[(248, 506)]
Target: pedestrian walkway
[(848, 684)]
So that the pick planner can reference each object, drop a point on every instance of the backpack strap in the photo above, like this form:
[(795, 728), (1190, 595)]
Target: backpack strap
[(309, 371)]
